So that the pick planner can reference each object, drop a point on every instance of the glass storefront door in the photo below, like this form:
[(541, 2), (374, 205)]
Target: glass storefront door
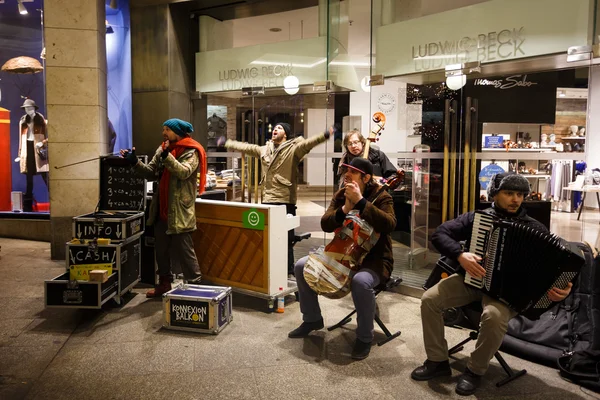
[(427, 130)]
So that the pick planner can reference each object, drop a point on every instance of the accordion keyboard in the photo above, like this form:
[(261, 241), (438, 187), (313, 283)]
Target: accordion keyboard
[(482, 226)]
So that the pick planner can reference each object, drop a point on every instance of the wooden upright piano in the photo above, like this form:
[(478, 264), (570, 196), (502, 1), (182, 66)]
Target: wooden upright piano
[(243, 245)]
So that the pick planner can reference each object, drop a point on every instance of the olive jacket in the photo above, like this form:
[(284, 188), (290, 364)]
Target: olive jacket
[(279, 165), (183, 187)]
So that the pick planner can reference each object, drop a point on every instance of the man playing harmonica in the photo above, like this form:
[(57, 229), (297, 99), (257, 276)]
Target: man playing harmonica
[(507, 191), (357, 194)]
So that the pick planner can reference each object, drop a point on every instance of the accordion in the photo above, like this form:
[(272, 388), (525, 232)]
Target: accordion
[(521, 263)]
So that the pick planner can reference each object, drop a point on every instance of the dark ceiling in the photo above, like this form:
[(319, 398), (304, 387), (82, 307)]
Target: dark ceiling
[(232, 9)]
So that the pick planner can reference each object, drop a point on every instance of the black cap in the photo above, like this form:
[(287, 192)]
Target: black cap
[(361, 165), (287, 129)]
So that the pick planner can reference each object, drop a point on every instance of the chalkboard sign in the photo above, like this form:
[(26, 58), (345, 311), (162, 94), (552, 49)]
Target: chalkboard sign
[(120, 187)]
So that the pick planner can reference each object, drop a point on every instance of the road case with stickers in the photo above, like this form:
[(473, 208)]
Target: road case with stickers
[(197, 308), (114, 225), (120, 211), (121, 260)]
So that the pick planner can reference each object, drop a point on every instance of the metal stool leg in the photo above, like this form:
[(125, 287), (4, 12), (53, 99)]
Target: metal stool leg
[(343, 322), (388, 334), (511, 374)]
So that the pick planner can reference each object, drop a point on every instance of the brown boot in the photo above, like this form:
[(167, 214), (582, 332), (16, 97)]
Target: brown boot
[(164, 285)]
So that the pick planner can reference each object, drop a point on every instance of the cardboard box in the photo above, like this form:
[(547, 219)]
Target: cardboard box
[(98, 275)]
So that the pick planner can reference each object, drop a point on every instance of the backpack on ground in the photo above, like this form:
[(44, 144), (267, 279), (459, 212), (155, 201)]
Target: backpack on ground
[(568, 334)]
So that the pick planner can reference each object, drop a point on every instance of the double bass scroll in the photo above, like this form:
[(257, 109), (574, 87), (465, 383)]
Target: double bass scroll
[(379, 119)]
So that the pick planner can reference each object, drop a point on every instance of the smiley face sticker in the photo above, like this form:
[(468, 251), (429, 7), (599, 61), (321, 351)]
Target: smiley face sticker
[(253, 219)]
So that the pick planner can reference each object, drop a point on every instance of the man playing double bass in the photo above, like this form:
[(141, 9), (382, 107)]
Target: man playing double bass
[(359, 193)]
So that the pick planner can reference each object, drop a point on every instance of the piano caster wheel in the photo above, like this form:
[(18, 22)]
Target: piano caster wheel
[(271, 305)]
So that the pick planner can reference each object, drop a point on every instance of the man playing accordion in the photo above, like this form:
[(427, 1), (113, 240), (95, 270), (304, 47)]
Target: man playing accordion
[(359, 193), (507, 191)]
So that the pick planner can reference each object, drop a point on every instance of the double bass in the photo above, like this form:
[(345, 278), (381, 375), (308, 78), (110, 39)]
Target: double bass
[(328, 271)]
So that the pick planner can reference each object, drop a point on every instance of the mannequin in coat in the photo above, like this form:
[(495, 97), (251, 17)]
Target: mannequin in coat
[(33, 149)]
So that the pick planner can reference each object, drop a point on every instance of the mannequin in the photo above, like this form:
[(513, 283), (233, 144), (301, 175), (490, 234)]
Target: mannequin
[(552, 140), (573, 129), (217, 125), (582, 131), (33, 149), (544, 140)]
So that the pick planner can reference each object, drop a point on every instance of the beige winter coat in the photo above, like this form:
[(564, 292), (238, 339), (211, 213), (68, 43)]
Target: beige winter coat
[(39, 134), (279, 166)]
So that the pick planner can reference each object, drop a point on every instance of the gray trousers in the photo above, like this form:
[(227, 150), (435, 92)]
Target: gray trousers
[(175, 249), (453, 292), (363, 295)]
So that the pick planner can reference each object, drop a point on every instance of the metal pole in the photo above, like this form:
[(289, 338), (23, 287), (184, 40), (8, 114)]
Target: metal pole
[(466, 178)]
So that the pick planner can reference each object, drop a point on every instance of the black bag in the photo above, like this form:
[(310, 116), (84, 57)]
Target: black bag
[(568, 332), (581, 367)]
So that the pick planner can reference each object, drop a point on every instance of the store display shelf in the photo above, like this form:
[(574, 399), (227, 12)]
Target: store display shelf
[(573, 138), (519, 150), (535, 175)]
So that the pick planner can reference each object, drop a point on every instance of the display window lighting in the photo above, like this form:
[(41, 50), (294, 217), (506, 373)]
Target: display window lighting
[(22, 9)]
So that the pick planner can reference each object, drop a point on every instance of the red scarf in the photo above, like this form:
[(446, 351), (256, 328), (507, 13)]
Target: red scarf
[(176, 149)]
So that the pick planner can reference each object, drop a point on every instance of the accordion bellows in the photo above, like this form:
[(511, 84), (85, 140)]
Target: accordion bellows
[(329, 271)]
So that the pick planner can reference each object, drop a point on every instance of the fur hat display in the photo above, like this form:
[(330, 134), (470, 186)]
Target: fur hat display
[(508, 181), (29, 103)]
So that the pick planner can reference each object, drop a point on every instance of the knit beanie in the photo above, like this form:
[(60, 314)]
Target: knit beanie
[(287, 128), (180, 127), (508, 181)]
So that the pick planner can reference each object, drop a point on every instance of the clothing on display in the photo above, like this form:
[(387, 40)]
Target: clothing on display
[(562, 172), (33, 149)]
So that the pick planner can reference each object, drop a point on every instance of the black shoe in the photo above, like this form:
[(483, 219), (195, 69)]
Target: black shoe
[(305, 328), (468, 383), (361, 350), (430, 370), (194, 281)]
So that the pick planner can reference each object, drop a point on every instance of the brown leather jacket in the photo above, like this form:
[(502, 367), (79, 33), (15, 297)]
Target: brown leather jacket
[(380, 215)]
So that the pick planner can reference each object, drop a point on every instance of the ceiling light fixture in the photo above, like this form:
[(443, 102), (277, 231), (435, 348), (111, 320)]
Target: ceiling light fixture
[(364, 84), (456, 82), (275, 29), (291, 85), (22, 9)]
